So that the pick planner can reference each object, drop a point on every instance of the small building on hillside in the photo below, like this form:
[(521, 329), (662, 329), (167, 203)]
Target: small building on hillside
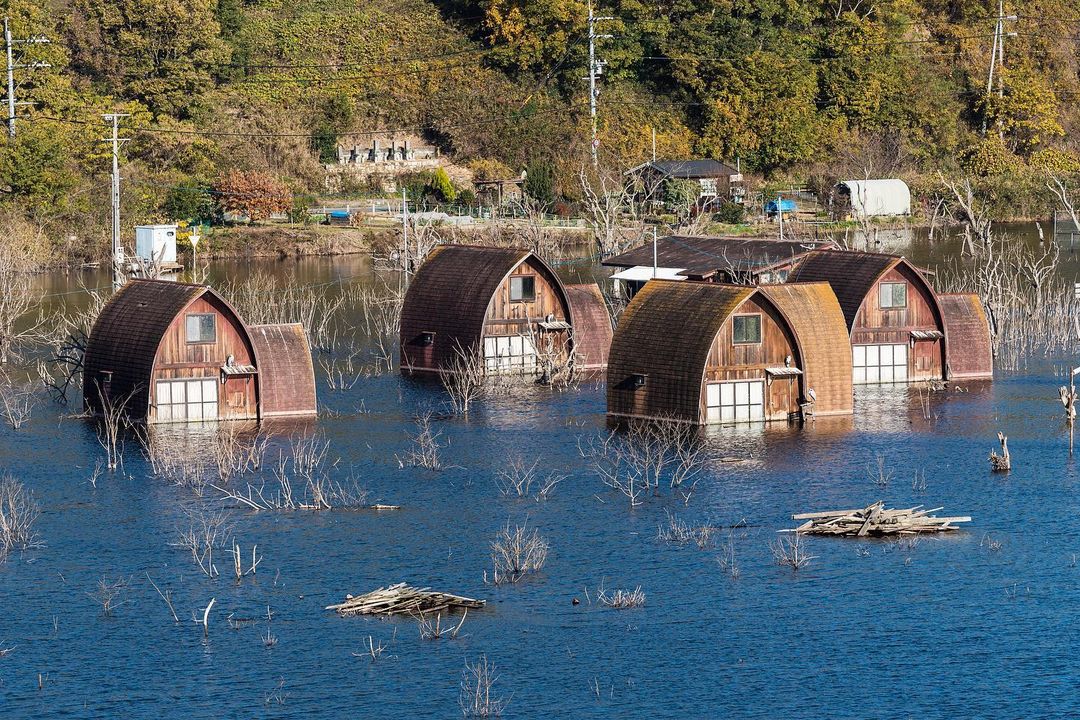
[(504, 305), (735, 260), (387, 149), (871, 198), (709, 353), (967, 332), (500, 193), (176, 352), (715, 180), (895, 323)]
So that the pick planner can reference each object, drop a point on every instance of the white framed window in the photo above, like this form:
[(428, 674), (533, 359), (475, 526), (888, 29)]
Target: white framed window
[(732, 402), (879, 364), (522, 288), (708, 186), (509, 353), (892, 295), (200, 328), (185, 400)]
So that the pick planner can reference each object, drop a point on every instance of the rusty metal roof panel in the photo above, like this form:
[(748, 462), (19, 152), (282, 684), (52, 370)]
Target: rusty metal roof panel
[(665, 334), (591, 324), (449, 296), (969, 348), (126, 336), (286, 372)]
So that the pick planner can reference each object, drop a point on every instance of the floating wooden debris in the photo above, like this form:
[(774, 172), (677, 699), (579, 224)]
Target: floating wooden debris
[(402, 599), (875, 521)]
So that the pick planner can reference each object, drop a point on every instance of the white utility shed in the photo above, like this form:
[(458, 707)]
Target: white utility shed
[(156, 243), (877, 198)]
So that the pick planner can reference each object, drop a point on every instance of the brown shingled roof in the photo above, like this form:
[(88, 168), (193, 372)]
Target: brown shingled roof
[(286, 374), (449, 295), (126, 335), (665, 333), (851, 274), (814, 315), (970, 353), (592, 326)]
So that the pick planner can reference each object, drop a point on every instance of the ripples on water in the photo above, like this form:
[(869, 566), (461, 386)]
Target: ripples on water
[(948, 628)]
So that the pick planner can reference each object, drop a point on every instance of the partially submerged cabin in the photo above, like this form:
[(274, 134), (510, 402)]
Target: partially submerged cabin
[(177, 352), (709, 353), (735, 260), (970, 350), (505, 305), (896, 327)]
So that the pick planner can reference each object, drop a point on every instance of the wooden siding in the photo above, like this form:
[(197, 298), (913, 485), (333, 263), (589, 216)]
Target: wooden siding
[(666, 334), (816, 319), (286, 373), (875, 325), (728, 360), (177, 359), (592, 326), (971, 353), (506, 317)]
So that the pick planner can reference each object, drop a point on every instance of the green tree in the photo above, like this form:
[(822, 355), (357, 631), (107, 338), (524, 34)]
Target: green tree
[(190, 200), (540, 182), (34, 169)]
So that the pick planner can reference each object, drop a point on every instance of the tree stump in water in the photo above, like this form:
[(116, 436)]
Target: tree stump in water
[(1002, 462)]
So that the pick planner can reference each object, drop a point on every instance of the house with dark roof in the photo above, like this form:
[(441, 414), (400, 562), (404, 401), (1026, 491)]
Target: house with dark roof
[(711, 353), (735, 260), (177, 352), (505, 305), (716, 180)]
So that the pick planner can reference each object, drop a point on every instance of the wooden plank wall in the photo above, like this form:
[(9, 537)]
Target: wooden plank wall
[(728, 361), (178, 359), (514, 318), (875, 325)]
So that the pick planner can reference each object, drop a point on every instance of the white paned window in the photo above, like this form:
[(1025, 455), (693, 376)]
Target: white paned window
[(184, 400), (742, 401), (879, 364), (509, 353), (200, 328), (522, 288), (893, 295)]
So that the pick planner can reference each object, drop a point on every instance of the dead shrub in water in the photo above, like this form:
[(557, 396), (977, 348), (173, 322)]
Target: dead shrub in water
[(649, 453), (17, 401), (791, 551), (108, 594), (18, 511), (380, 309), (425, 449), (621, 599), (464, 379), (877, 473), (205, 531), (434, 630), (476, 697), (516, 553), (679, 531), (520, 479), (260, 299)]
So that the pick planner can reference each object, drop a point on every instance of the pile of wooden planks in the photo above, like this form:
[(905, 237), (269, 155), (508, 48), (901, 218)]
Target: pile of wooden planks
[(875, 521), (401, 599)]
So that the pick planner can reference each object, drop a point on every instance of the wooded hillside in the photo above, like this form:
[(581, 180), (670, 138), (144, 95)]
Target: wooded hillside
[(790, 88)]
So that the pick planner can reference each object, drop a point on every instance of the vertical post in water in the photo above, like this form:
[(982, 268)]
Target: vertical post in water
[(10, 79)]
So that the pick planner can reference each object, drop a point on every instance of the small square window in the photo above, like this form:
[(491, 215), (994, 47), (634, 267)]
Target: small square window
[(522, 288), (747, 329), (893, 295), (201, 328)]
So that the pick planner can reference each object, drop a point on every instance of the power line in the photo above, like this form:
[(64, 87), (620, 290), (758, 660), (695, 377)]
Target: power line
[(12, 66)]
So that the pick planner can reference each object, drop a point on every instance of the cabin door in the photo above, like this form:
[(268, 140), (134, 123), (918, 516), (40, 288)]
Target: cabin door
[(879, 364), (186, 400), (732, 402)]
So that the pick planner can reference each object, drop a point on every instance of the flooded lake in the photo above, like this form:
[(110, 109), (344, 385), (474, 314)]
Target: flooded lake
[(975, 624)]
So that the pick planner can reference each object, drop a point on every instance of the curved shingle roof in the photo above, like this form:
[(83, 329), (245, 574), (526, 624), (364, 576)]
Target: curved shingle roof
[(592, 326), (967, 331), (851, 274), (666, 333), (286, 373)]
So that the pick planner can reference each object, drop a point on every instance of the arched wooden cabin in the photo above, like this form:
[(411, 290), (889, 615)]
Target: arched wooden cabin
[(971, 353), (896, 326), (176, 352), (504, 303), (706, 353)]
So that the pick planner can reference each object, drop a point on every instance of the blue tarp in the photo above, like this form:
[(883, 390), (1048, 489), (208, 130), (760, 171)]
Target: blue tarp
[(787, 206)]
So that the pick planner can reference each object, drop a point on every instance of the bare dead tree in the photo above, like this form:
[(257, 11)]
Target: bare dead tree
[(204, 532), (477, 697), (517, 552), (68, 334), (109, 594), (381, 312), (621, 599), (975, 212), (18, 512), (520, 479), (17, 401), (791, 551), (464, 378), (111, 421), (425, 449), (608, 201)]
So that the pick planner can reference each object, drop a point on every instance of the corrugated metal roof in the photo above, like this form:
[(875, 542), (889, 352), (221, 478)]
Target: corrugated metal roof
[(449, 296), (591, 324), (703, 256), (286, 373), (665, 333), (970, 351), (125, 339), (814, 316)]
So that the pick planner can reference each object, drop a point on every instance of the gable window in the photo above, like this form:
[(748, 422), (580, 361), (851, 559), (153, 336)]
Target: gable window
[(746, 329), (522, 288), (201, 328), (893, 295)]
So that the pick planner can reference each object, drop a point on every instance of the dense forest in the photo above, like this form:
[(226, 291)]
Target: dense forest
[(795, 90)]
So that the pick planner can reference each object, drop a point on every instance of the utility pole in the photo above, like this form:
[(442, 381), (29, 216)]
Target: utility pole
[(596, 68), (997, 55), (405, 234), (780, 213), (9, 46), (117, 249)]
